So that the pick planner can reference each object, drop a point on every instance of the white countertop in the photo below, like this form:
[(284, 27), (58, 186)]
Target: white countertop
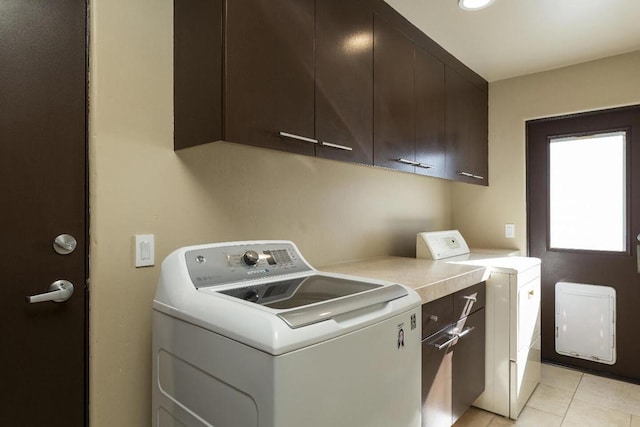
[(431, 279)]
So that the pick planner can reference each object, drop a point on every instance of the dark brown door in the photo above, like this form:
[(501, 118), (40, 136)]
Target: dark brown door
[(269, 74), (344, 80), (43, 182), (573, 247), (394, 128)]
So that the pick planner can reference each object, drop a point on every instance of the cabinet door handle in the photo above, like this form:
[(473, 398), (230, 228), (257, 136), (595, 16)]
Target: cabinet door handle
[(297, 137), (408, 162), (477, 176), (339, 147), (465, 332), (471, 298), (454, 337), (424, 165), (467, 174), (446, 344)]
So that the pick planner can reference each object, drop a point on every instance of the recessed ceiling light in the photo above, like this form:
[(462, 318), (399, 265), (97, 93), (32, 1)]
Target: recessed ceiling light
[(474, 4)]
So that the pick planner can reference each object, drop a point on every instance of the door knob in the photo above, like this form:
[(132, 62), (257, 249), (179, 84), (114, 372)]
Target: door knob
[(59, 291)]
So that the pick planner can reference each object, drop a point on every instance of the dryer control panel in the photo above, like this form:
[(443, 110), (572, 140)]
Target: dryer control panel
[(221, 264), (440, 244)]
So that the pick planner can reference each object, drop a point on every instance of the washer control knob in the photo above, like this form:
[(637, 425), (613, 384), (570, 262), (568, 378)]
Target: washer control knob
[(250, 257)]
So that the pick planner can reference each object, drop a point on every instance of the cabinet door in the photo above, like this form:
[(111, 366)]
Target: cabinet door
[(468, 364), (197, 72), (269, 73), (344, 80), (457, 125), (466, 130), (478, 136), (394, 132), (430, 114), (436, 381)]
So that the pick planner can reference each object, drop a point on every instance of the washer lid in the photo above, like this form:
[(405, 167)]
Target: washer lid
[(506, 264), (297, 292), (316, 298)]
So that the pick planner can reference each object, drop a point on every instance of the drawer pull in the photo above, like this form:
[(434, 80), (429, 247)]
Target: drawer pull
[(471, 298), (297, 137), (433, 317), (339, 147)]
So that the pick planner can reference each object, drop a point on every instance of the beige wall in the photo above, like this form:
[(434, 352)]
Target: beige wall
[(480, 213), (219, 192)]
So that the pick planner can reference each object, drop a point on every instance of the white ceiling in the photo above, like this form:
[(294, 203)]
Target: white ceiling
[(517, 37)]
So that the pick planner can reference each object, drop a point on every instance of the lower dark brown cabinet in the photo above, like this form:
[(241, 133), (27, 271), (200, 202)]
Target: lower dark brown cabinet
[(453, 357), (468, 365)]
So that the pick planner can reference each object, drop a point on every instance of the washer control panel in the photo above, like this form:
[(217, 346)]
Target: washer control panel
[(219, 265)]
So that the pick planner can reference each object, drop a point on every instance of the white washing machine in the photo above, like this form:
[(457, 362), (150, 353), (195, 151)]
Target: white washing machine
[(249, 334), (512, 369)]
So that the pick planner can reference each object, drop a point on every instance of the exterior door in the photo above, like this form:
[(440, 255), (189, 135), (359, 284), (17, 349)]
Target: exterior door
[(583, 198), (43, 359)]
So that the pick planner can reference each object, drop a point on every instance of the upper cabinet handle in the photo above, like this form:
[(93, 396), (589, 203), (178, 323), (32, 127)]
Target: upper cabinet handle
[(408, 162), (298, 137), (424, 165), (470, 175), (339, 147)]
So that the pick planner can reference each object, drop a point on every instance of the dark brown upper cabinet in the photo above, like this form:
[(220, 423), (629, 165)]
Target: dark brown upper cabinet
[(269, 74), (409, 104), (344, 81), (197, 50), (466, 130), (393, 112), (429, 106)]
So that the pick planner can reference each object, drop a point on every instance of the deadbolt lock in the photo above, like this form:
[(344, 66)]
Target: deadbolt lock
[(64, 244)]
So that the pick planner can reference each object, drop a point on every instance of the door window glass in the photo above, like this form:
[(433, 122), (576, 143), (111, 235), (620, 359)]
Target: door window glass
[(587, 192)]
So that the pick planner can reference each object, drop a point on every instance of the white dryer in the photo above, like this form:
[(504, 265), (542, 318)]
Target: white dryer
[(249, 334), (512, 367)]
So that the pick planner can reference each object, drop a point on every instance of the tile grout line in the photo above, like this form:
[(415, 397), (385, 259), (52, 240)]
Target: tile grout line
[(573, 396)]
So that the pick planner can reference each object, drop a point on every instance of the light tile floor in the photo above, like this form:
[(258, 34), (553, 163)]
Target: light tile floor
[(569, 398)]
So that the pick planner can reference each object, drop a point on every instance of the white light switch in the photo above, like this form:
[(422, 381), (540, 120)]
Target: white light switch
[(144, 250), (510, 231)]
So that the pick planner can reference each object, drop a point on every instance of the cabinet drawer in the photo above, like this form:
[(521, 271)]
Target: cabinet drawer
[(468, 300), (436, 315)]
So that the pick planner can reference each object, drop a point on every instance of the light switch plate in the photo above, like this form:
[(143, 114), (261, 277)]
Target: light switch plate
[(510, 231), (144, 250)]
